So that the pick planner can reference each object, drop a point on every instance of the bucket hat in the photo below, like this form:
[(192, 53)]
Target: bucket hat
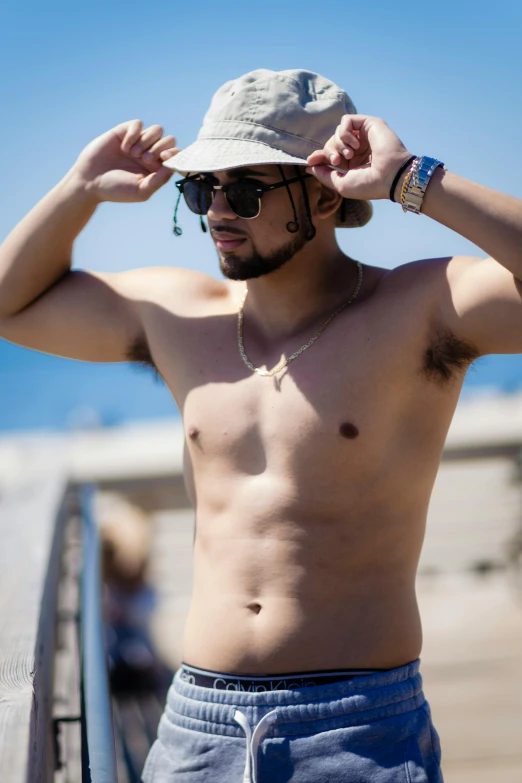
[(271, 117)]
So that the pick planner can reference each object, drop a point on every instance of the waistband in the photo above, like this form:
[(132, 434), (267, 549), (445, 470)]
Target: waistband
[(366, 700), (270, 682), (353, 702)]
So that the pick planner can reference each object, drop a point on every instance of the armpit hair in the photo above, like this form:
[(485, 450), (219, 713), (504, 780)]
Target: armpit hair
[(447, 357), (139, 352)]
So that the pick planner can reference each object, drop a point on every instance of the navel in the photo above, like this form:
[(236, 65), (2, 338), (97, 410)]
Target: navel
[(348, 430), (254, 607)]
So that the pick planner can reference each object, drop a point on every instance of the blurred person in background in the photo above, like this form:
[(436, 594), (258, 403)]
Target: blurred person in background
[(129, 600), (316, 393)]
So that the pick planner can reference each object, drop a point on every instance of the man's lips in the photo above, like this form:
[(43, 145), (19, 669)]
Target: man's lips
[(226, 241)]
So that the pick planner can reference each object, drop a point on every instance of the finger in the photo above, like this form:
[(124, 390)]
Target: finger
[(332, 151), (345, 132), (330, 155), (166, 143), (344, 144), (336, 158), (148, 137), (154, 181), (326, 176), (355, 121), (318, 158), (337, 153), (357, 184), (132, 133), (168, 154)]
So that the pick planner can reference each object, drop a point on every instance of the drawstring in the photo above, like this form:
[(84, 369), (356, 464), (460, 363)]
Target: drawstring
[(177, 229), (254, 739), (310, 234), (293, 225)]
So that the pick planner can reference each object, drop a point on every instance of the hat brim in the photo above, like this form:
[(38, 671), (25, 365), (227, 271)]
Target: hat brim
[(218, 154)]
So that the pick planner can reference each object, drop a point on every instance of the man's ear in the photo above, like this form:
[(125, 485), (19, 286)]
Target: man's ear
[(328, 201)]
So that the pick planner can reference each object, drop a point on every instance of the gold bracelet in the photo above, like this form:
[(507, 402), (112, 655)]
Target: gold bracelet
[(405, 186), (407, 180)]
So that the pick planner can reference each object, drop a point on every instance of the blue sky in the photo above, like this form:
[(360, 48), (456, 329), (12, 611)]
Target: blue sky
[(445, 76)]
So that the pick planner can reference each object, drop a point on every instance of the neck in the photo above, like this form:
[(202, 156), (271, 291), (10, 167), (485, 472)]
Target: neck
[(312, 284)]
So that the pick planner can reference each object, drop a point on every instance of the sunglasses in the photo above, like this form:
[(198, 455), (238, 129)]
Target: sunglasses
[(243, 197)]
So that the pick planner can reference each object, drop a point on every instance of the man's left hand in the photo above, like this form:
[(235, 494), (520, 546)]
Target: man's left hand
[(361, 159)]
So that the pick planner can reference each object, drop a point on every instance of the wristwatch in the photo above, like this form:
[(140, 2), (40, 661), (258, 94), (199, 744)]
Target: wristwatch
[(419, 182)]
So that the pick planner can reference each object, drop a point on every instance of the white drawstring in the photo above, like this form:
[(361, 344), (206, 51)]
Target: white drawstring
[(254, 739)]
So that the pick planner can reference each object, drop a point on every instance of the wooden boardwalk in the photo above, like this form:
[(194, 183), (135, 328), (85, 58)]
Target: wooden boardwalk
[(472, 668)]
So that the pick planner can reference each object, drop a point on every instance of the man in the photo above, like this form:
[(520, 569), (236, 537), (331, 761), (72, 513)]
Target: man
[(315, 410)]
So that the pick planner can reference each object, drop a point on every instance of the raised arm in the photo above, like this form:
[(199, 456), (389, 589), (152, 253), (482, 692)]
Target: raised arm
[(481, 299), (46, 306)]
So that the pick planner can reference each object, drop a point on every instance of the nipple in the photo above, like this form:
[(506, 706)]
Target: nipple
[(193, 433), (348, 430)]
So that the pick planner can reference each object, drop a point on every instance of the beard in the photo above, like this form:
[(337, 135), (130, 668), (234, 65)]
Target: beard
[(256, 265)]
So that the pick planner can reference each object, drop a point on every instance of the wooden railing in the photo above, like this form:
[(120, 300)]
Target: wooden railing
[(32, 520), (55, 713), (98, 753)]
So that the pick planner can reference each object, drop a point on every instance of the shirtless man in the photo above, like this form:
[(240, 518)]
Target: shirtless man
[(311, 484)]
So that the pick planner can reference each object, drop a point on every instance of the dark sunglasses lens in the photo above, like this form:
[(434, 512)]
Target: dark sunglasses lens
[(198, 196), (243, 198)]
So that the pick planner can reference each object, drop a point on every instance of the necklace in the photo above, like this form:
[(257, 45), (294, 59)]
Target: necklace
[(294, 355)]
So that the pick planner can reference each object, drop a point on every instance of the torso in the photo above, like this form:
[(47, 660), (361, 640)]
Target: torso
[(311, 488)]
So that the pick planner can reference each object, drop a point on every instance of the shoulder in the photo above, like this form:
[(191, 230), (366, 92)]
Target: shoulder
[(426, 274), (178, 290), (421, 296), (162, 299), (439, 275), (432, 281), (415, 288)]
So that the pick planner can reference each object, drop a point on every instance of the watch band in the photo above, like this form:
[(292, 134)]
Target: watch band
[(418, 183)]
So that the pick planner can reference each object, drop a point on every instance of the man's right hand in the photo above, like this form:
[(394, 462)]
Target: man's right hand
[(124, 163)]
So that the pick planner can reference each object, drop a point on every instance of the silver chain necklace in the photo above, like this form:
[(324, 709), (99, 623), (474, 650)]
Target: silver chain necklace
[(286, 362)]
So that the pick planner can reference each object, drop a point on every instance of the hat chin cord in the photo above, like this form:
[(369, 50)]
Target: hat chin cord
[(293, 225), (177, 230), (311, 232)]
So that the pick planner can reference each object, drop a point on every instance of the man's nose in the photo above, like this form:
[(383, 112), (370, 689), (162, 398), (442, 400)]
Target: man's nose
[(219, 209)]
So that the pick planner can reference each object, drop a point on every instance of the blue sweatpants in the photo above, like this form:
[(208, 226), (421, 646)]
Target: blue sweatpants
[(372, 729)]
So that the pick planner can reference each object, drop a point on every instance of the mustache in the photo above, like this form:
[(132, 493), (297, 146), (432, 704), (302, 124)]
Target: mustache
[(216, 230)]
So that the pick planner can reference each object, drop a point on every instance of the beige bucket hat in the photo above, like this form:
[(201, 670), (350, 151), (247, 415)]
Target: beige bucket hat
[(271, 117)]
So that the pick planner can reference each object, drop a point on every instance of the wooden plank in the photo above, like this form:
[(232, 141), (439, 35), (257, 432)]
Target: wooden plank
[(474, 515), (66, 692), (31, 523), (472, 669)]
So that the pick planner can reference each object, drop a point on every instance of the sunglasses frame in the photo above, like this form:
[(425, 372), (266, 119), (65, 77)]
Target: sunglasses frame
[(260, 190)]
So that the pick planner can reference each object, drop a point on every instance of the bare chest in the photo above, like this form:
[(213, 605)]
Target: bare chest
[(338, 409)]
